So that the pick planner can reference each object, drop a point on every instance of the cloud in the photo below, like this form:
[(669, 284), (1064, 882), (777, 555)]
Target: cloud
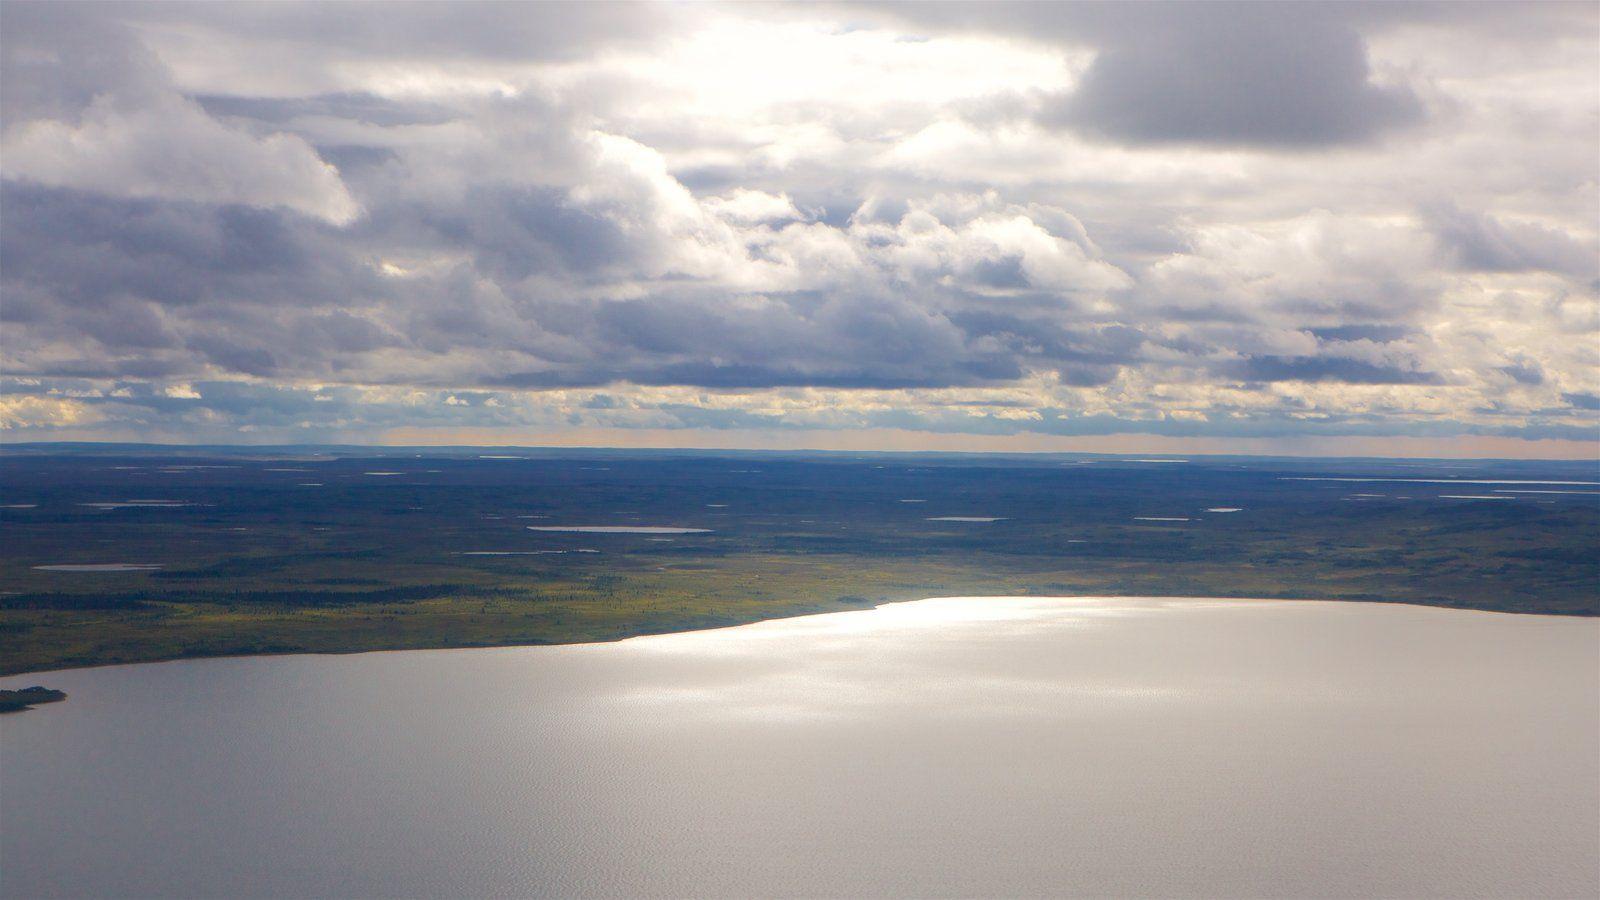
[(238, 410), (1319, 267), (88, 107), (45, 413), (469, 31), (1034, 219), (1484, 243), (754, 207), (1326, 368), (1580, 400), (1231, 74), (1259, 75), (174, 150)]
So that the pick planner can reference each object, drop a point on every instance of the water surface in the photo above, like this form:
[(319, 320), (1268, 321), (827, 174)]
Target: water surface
[(621, 529), (99, 567), (946, 747)]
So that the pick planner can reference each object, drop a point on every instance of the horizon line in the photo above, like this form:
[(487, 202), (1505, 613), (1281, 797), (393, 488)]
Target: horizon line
[(1129, 456)]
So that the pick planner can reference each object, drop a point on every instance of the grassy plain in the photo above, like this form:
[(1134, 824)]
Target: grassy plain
[(302, 550)]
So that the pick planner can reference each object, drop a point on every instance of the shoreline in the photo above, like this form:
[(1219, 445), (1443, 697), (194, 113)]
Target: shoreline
[(777, 616)]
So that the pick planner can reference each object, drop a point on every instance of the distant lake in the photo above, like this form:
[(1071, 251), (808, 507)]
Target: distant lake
[(955, 746), (621, 529), (99, 567)]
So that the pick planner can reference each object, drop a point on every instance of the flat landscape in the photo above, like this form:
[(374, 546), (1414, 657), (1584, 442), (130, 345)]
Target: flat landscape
[(123, 553)]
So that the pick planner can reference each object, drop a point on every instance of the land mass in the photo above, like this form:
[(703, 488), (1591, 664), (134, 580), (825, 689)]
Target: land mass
[(27, 698), (134, 554)]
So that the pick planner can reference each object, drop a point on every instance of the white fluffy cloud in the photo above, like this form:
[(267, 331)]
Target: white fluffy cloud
[(173, 150)]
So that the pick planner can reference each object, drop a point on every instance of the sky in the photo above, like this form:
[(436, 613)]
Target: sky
[(1350, 228)]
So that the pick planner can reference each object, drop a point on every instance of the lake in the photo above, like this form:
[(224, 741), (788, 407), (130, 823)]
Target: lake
[(621, 529), (993, 746)]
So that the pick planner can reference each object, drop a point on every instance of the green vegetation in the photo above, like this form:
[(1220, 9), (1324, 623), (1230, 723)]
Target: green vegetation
[(261, 564)]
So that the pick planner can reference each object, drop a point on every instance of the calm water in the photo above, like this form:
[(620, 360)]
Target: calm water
[(976, 746)]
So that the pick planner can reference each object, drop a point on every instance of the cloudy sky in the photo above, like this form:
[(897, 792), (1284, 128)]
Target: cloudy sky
[(1302, 228)]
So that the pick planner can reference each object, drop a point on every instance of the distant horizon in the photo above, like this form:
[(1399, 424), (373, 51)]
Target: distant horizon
[(598, 331)]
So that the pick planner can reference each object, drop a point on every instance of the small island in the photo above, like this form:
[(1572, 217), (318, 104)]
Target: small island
[(28, 697)]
